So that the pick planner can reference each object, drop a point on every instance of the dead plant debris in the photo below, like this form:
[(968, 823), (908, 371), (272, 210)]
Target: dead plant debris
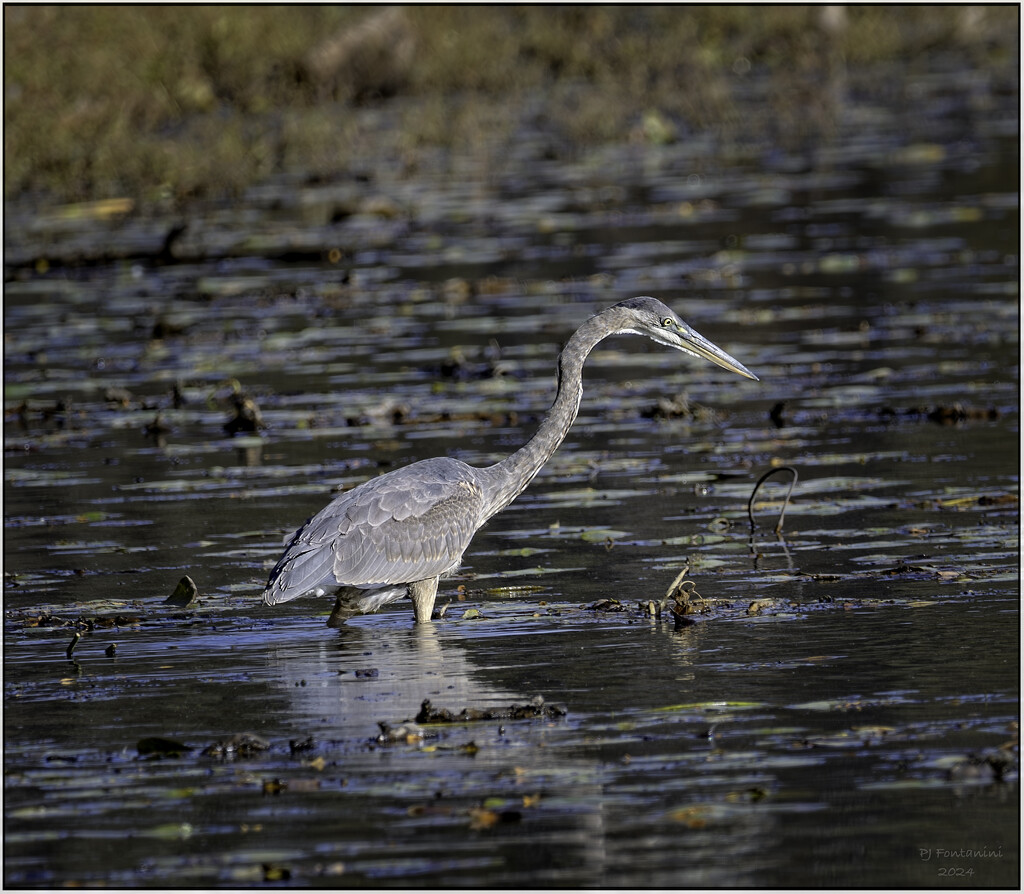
[(537, 708)]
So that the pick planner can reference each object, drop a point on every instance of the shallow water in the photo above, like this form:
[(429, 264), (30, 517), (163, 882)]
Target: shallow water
[(845, 732)]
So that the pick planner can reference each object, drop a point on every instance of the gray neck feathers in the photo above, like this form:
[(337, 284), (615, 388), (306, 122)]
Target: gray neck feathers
[(507, 479)]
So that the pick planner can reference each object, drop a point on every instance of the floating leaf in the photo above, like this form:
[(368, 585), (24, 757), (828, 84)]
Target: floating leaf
[(696, 817), (170, 831), (275, 872), (482, 818), (601, 535), (523, 552), (712, 706)]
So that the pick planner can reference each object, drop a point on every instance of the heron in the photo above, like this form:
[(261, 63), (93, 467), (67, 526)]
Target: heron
[(398, 534)]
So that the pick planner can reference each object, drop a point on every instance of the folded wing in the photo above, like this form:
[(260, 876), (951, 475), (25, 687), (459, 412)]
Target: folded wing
[(410, 525)]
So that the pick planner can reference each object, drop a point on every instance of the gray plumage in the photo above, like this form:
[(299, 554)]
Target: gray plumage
[(400, 533)]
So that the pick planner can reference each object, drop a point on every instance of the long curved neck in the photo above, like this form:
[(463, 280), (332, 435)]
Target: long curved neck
[(507, 479)]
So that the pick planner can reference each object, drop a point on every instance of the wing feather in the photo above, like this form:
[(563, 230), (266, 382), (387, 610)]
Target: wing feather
[(408, 525)]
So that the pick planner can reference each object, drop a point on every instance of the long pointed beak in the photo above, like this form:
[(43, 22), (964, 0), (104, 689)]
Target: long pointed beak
[(693, 342)]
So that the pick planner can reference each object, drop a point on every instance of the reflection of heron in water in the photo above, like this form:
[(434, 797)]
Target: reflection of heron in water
[(399, 533)]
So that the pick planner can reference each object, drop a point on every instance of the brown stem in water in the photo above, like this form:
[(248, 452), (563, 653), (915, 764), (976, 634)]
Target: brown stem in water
[(789, 493)]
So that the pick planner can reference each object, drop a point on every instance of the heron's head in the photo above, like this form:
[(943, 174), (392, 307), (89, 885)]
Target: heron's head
[(650, 317)]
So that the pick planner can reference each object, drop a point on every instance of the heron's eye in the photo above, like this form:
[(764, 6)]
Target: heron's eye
[(668, 321)]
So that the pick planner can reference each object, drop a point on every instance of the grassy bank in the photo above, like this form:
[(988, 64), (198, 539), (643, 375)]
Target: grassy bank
[(164, 103)]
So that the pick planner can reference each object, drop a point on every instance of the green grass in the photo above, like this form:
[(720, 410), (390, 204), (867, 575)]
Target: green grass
[(164, 104)]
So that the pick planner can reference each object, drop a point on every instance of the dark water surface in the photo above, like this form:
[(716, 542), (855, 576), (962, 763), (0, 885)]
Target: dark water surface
[(854, 728)]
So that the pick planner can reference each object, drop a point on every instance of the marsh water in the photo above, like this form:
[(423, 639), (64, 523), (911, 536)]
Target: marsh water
[(841, 713)]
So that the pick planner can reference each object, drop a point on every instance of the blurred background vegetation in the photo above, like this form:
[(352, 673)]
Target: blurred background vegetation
[(165, 104)]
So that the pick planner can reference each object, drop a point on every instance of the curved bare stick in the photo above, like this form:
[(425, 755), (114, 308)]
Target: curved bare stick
[(789, 493)]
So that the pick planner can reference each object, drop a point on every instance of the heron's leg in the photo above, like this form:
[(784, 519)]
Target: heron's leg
[(345, 607), (423, 593)]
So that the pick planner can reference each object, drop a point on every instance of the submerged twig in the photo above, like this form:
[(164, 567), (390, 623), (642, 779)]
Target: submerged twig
[(785, 502)]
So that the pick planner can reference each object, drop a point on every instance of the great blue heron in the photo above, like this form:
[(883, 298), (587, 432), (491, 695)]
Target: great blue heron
[(400, 533)]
